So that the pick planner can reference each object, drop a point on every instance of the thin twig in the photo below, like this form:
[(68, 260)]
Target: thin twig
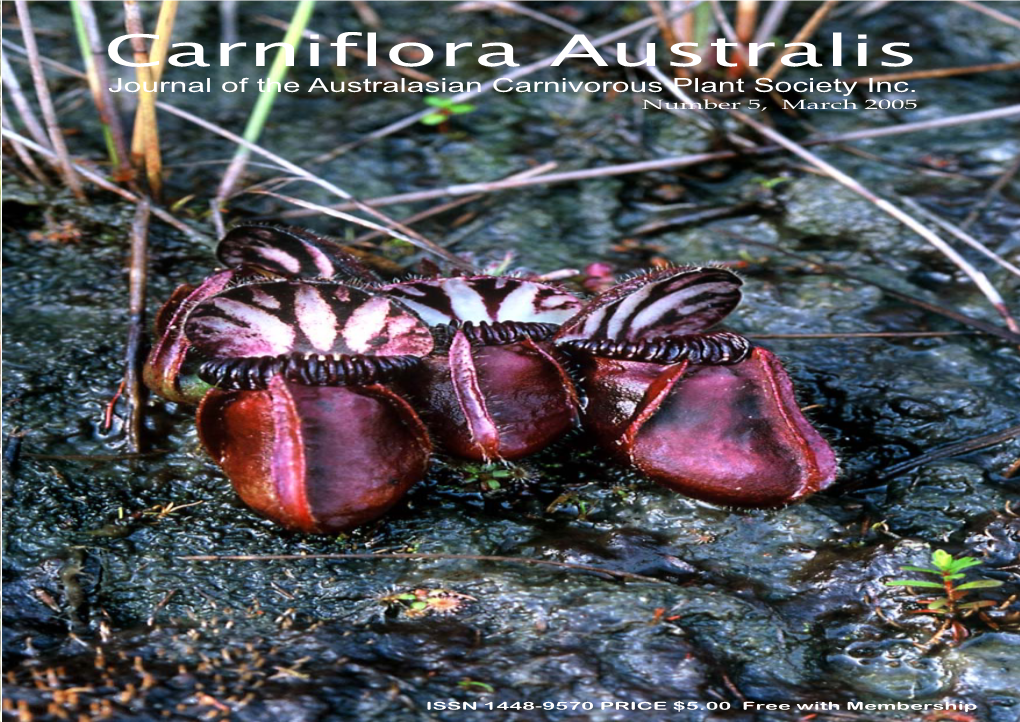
[(97, 458), (955, 449), (109, 185), (517, 8), (413, 237), (366, 14), (137, 276), (42, 93), (1000, 16), (938, 73), (802, 35), (979, 278), (12, 87), (386, 69), (426, 556), (672, 162), (861, 334), (747, 20), (771, 21), (666, 30), (444, 207), (351, 219), (696, 216), (730, 33), (984, 326), (26, 158), (993, 190), (961, 234), (522, 71)]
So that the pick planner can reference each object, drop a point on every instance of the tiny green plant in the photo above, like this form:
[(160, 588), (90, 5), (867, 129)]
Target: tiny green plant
[(950, 604), (475, 686), (444, 109), (493, 477)]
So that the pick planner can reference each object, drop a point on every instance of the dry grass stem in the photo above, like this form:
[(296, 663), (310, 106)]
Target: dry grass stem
[(49, 113), (386, 68), (669, 163), (12, 88), (771, 21), (380, 556), (666, 30), (23, 155), (939, 72), (444, 207), (414, 240), (266, 98), (145, 138), (516, 8), (520, 72), (954, 449), (979, 279), (137, 277), (297, 170), (109, 185), (993, 190), (802, 36), (1000, 16), (747, 20), (960, 234), (366, 14)]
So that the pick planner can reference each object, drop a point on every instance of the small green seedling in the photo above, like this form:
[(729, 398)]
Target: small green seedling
[(475, 686), (444, 109), (494, 476), (949, 605)]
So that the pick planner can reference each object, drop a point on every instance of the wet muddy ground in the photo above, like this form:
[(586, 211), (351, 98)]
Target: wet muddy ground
[(103, 617)]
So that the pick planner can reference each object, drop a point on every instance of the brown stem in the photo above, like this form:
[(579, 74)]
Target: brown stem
[(49, 113), (108, 185), (802, 35), (955, 449), (963, 318), (670, 163), (993, 190), (12, 87), (412, 556), (145, 140), (26, 158), (136, 320), (939, 72)]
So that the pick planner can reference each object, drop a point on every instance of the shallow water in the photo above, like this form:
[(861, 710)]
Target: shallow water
[(770, 606)]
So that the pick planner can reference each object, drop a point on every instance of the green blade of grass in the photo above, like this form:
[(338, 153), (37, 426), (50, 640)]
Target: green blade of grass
[(979, 584), (264, 104), (913, 583), (90, 71)]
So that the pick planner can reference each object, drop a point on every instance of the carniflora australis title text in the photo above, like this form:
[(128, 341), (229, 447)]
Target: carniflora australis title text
[(412, 55)]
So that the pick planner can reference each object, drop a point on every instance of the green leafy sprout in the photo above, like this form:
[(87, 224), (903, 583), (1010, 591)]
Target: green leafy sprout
[(444, 109), (949, 569), (476, 686)]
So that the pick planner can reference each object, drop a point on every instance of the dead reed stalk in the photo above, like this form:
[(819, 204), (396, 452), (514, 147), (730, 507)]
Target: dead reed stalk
[(42, 94), (138, 275)]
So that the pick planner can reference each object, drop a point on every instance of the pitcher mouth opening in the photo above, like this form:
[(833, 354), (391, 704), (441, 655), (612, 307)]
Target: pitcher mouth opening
[(254, 372), (716, 348), (493, 333)]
